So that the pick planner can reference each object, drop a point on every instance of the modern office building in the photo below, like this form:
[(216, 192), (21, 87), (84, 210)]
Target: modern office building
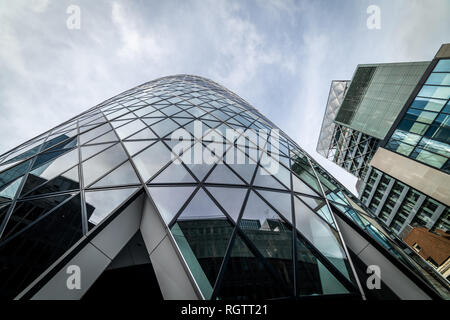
[(403, 115), (165, 191), (409, 180), (365, 111)]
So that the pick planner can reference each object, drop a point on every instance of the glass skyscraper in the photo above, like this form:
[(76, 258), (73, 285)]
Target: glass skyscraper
[(115, 193)]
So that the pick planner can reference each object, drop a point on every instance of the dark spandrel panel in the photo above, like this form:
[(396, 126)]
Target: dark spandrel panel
[(313, 278), (247, 277), (4, 207), (99, 204), (203, 243), (27, 212), (13, 173), (24, 257)]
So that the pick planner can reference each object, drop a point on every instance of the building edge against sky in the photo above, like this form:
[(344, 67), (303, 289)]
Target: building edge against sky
[(102, 193), (407, 179)]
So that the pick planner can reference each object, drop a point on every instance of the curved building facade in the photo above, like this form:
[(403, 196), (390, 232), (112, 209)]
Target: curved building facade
[(181, 187)]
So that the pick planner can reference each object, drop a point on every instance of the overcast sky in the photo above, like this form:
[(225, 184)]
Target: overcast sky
[(280, 56)]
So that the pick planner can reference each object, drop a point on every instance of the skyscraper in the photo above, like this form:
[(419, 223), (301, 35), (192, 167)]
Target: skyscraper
[(169, 186)]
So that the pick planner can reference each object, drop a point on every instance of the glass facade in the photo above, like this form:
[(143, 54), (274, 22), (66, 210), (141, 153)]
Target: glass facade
[(423, 134), (243, 232), (348, 148), (377, 94)]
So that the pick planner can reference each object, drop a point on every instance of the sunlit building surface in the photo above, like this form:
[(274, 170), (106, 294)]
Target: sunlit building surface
[(105, 205)]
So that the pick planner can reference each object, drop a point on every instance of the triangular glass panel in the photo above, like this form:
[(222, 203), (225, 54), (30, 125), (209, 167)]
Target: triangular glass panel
[(223, 175), (151, 121), (99, 204), (103, 162), (123, 175), (130, 128), (246, 277), (321, 235), (144, 111), (8, 193), (182, 121), (231, 199), (265, 179), (165, 127), (88, 151), (13, 173), (152, 159), (301, 187), (201, 207), (313, 203), (280, 201), (85, 137), (184, 114), (107, 137), (143, 135), (174, 173), (244, 167), (134, 147), (169, 200)]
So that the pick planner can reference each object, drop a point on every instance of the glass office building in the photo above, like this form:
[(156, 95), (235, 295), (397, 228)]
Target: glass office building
[(423, 134), (114, 194), (377, 94)]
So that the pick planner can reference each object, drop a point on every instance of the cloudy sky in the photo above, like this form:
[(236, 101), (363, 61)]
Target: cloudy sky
[(278, 55)]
